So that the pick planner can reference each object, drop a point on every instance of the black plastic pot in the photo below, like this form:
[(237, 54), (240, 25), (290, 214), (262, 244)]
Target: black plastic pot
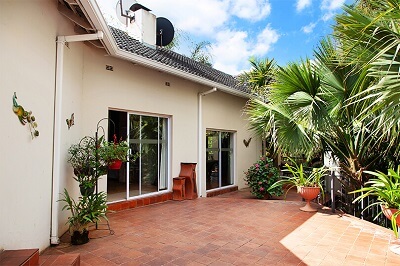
[(86, 191), (79, 238)]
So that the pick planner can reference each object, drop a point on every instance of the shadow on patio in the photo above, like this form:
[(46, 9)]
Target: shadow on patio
[(234, 229)]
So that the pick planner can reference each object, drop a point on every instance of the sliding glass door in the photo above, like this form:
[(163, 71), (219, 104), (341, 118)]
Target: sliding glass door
[(147, 171), (219, 153), (148, 139)]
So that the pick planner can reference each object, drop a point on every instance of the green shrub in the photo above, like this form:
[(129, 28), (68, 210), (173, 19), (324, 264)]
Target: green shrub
[(260, 176)]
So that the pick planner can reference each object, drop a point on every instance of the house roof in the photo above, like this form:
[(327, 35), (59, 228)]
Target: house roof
[(88, 18), (174, 60)]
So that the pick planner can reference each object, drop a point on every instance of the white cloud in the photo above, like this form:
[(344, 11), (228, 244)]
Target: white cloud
[(309, 28), (230, 50), (328, 15), (253, 10), (301, 4), (332, 4), (233, 49), (265, 40), (329, 7), (208, 20), (196, 17)]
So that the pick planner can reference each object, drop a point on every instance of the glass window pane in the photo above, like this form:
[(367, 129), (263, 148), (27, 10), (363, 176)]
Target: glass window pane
[(163, 167), (163, 150), (149, 127), (226, 139), (134, 127), (149, 168), (212, 139), (226, 168), (212, 171), (134, 172)]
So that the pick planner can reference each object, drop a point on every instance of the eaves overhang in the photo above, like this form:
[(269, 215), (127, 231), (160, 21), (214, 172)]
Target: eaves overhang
[(96, 17)]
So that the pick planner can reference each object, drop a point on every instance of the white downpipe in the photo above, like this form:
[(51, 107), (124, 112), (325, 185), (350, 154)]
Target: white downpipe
[(200, 139), (61, 40)]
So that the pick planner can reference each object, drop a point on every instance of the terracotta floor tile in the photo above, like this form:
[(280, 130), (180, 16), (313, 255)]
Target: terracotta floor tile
[(234, 229)]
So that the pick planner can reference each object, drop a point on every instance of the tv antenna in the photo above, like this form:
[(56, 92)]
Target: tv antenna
[(123, 11)]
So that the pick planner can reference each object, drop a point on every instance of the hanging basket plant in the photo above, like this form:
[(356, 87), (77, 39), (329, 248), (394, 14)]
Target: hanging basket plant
[(116, 165), (114, 153)]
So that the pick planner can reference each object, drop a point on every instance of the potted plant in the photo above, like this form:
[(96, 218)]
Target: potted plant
[(260, 176), (87, 164), (308, 183), (386, 189), (87, 210), (114, 153)]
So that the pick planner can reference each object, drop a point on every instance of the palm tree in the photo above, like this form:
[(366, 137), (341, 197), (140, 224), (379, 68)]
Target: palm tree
[(369, 35), (200, 52), (258, 79), (308, 111), (260, 76)]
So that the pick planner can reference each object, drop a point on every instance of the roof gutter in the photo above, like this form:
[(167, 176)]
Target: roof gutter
[(93, 11)]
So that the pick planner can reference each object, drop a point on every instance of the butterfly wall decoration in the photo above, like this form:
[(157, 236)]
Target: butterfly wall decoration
[(246, 142), (70, 122)]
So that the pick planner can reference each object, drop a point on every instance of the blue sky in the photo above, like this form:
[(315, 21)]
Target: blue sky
[(285, 30)]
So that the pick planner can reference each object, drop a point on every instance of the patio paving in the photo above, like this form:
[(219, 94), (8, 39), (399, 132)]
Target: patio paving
[(233, 229)]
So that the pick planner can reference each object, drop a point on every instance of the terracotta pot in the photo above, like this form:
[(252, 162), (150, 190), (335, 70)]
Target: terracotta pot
[(308, 193), (116, 165), (388, 212)]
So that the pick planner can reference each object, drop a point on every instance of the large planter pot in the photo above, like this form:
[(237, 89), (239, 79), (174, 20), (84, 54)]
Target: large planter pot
[(388, 212), (308, 193), (116, 165), (79, 238)]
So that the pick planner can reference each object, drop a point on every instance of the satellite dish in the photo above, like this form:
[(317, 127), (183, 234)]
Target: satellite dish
[(123, 9), (164, 32)]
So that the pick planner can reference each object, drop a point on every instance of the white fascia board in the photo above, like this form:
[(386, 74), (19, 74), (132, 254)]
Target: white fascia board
[(170, 70), (99, 22)]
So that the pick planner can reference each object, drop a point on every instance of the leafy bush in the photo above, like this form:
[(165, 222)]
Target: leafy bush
[(84, 157), (260, 176), (88, 209)]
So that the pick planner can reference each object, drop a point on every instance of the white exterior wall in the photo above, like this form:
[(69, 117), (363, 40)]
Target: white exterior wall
[(224, 112), (28, 59), (133, 88)]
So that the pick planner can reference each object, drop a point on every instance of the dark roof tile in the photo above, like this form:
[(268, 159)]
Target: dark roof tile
[(175, 60)]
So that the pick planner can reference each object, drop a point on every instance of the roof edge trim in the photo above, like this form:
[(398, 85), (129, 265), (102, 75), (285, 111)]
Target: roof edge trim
[(114, 50)]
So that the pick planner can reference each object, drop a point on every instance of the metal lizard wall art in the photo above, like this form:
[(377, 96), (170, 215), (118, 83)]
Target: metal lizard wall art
[(25, 117)]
